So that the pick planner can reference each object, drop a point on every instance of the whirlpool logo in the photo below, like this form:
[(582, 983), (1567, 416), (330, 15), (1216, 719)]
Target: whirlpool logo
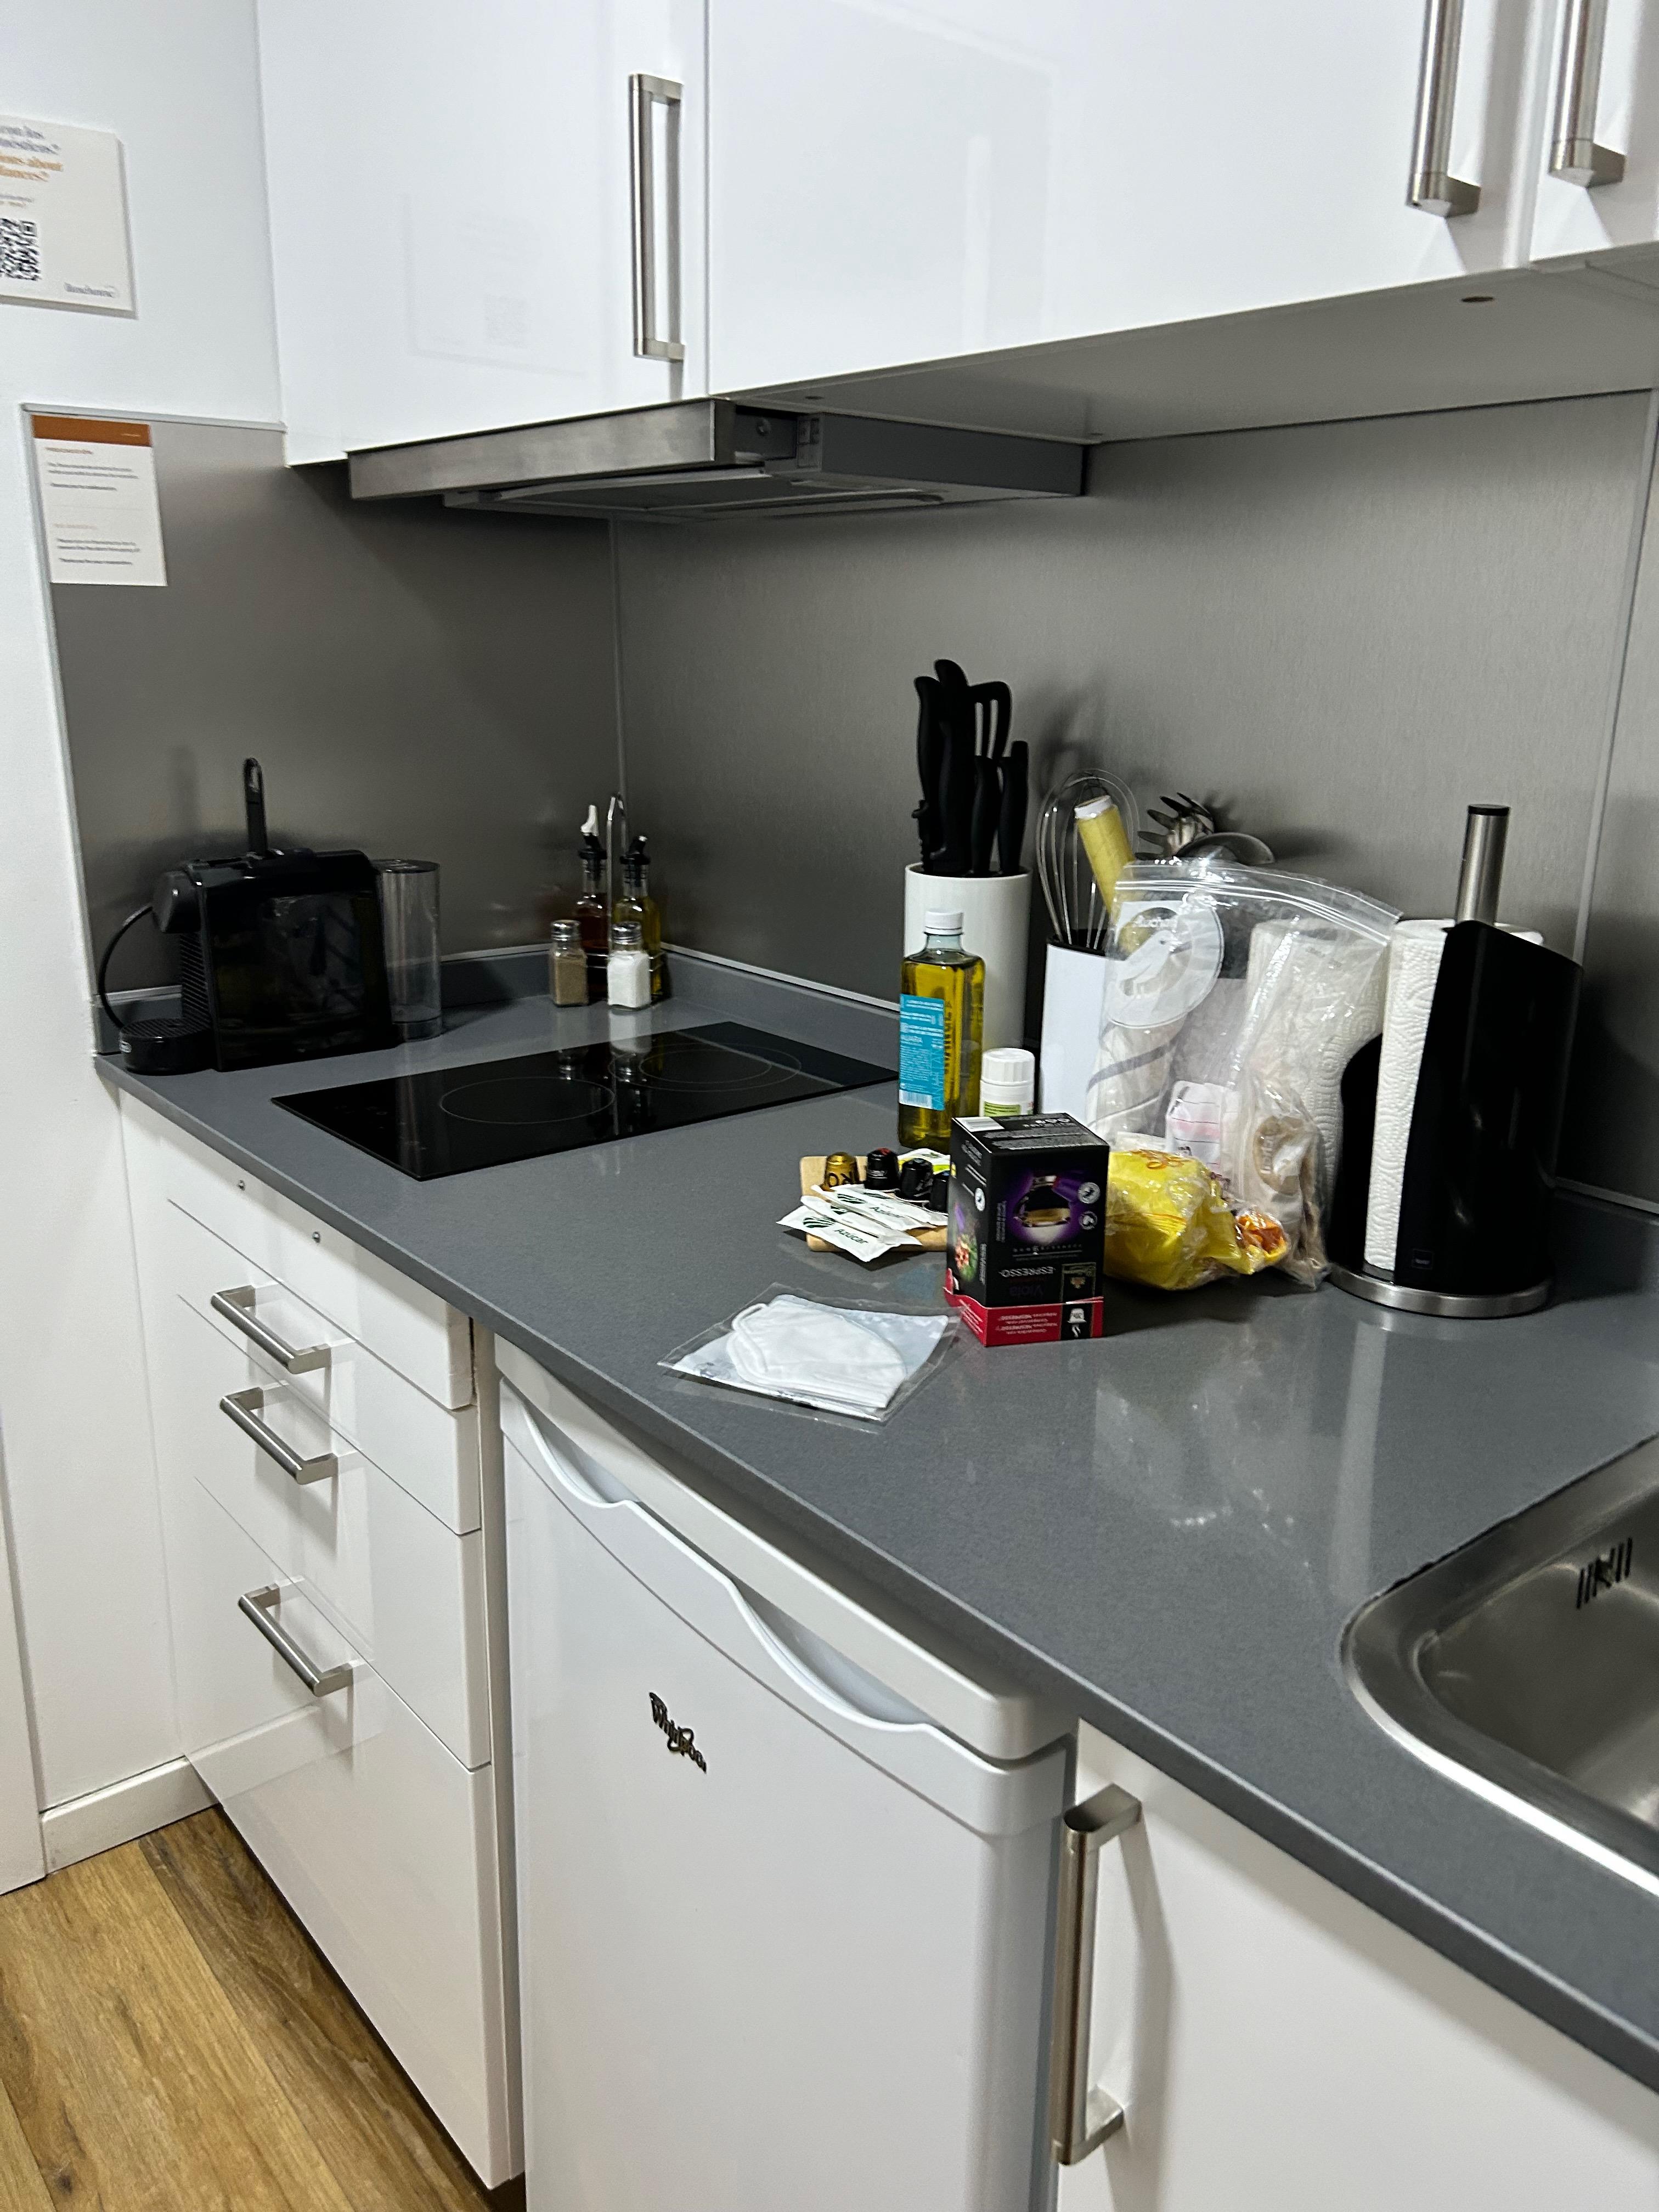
[(681, 1740)]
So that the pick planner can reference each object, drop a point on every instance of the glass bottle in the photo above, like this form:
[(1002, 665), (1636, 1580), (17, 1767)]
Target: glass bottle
[(941, 1024), (566, 965), (636, 904), (592, 922)]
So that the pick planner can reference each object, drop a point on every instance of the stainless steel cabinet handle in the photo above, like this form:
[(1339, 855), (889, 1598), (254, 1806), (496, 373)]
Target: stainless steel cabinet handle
[(245, 1407), (1079, 2115), (259, 1607), (1575, 157), (645, 92), (238, 1308), (1433, 188)]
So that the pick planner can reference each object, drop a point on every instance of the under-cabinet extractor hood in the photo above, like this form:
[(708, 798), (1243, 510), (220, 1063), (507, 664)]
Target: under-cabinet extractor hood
[(694, 459)]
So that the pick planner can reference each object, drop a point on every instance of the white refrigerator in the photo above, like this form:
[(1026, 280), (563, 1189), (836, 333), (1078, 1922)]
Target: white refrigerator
[(785, 1873)]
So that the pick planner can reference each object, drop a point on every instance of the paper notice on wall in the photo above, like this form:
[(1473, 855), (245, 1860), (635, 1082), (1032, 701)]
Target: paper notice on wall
[(98, 501), (62, 216)]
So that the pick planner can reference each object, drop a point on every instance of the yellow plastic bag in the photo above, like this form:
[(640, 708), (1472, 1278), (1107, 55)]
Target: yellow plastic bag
[(1168, 1223)]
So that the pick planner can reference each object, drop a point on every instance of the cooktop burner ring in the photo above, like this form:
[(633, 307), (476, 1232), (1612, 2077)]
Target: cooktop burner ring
[(767, 1072), (527, 1101)]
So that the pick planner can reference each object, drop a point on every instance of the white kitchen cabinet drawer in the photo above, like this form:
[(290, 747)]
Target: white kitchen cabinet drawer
[(405, 1591), (431, 1451), (411, 1329), (382, 1843)]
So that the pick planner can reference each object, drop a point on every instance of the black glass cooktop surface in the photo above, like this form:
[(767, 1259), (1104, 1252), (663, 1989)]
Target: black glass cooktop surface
[(450, 1119)]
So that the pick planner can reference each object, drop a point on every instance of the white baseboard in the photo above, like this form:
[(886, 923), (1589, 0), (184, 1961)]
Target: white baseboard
[(105, 1818)]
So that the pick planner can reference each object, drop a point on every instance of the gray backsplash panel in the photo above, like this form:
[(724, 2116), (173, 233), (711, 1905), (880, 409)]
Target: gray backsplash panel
[(1344, 633), (415, 681)]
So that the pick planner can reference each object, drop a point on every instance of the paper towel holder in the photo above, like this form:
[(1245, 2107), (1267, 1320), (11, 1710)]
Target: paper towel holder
[(1480, 1176)]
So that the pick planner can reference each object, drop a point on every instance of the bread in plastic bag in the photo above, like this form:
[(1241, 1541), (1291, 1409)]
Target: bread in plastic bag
[(1168, 1223), (1234, 999)]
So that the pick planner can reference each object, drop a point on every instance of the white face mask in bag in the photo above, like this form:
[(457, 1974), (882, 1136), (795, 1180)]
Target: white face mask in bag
[(794, 1348)]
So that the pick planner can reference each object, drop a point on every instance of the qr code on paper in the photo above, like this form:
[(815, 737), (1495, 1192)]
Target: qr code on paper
[(20, 251)]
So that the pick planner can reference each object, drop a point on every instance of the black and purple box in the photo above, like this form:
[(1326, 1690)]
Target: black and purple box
[(1028, 1227)]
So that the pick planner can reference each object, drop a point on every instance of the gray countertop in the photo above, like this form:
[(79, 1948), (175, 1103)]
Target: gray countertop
[(1167, 1529)]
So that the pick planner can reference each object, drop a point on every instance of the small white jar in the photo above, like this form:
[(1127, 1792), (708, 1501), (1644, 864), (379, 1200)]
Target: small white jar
[(1007, 1082), (628, 971)]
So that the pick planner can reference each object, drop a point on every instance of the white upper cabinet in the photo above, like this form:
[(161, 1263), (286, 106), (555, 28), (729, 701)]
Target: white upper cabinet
[(1598, 165), (904, 183), (454, 216)]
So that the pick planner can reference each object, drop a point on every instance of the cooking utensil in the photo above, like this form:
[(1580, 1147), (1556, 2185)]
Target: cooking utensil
[(930, 767), (1186, 821), (1077, 912), (988, 813), (995, 703), (1231, 845), (956, 803), (1010, 830)]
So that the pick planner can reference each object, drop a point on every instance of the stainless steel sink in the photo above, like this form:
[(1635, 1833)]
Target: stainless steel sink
[(1526, 1665)]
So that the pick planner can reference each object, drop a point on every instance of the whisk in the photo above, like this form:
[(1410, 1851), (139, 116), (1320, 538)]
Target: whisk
[(1077, 912)]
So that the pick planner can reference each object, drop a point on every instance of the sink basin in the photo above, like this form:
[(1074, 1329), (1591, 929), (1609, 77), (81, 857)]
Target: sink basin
[(1526, 1665)]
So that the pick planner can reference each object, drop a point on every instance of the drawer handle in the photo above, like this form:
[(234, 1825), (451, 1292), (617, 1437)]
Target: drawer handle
[(1433, 188), (238, 1308), (245, 1407), (1575, 157), (259, 1607), (1079, 2115)]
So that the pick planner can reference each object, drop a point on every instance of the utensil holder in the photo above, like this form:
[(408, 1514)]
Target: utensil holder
[(996, 918), (409, 925), (1073, 985)]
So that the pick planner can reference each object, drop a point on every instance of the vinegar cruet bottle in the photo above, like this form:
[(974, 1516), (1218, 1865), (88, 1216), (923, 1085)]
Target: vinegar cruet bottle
[(941, 1024)]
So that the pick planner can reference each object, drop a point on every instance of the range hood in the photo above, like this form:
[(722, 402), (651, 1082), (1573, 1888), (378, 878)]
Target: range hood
[(695, 459)]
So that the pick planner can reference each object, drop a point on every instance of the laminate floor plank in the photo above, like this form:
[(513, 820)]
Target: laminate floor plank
[(135, 2085), (382, 2146), (23, 2186)]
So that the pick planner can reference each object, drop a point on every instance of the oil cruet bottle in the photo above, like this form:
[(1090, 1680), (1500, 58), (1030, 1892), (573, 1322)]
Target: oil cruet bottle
[(592, 920), (941, 1024), (637, 905)]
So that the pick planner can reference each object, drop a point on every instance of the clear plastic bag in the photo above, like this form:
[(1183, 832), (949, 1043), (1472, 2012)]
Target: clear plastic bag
[(843, 1358), (1234, 999)]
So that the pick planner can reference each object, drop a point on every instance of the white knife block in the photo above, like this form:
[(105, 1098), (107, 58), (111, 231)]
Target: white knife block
[(996, 916)]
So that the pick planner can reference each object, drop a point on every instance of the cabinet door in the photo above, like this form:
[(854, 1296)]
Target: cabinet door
[(1601, 78), (1278, 2047), (452, 194), (892, 185)]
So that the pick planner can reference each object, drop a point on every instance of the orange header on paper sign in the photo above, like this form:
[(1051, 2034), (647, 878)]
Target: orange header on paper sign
[(91, 430)]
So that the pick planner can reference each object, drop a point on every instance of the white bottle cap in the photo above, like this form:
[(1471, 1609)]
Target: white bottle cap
[(1009, 1063), (938, 922), (1007, 1079)]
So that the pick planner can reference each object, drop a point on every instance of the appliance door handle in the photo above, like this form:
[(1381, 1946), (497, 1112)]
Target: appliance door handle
[(1575, 157), (245, 1407), (1081, 2116), (646, 93), (1433, 188), (259, 1606), (237, 1307)]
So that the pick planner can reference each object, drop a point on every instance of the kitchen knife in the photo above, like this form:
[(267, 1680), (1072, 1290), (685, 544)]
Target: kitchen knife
[(1011, 830), (930, 767), (987, 812)]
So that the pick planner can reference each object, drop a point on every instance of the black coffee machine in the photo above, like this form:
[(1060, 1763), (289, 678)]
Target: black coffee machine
[(280, 957)]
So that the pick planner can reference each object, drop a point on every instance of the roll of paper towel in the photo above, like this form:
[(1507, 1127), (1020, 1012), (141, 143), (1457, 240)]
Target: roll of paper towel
[(1415, 951), (1414, 954)]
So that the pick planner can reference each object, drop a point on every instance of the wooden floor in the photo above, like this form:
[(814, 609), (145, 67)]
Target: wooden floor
[(170, 2041)]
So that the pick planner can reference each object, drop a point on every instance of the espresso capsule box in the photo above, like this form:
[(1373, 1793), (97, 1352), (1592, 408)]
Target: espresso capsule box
[(1025, 1259)]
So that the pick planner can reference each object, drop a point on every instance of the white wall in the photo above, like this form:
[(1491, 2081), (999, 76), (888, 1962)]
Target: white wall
[(178, 80)]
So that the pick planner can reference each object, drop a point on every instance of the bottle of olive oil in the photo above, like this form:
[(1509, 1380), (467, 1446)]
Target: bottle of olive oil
[(941, 1024)]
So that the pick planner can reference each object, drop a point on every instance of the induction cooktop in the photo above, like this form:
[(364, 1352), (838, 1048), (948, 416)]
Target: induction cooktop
[(449, 1121)]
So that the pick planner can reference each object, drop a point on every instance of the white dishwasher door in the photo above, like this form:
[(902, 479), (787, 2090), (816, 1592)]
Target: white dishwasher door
[(782, 1939)]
